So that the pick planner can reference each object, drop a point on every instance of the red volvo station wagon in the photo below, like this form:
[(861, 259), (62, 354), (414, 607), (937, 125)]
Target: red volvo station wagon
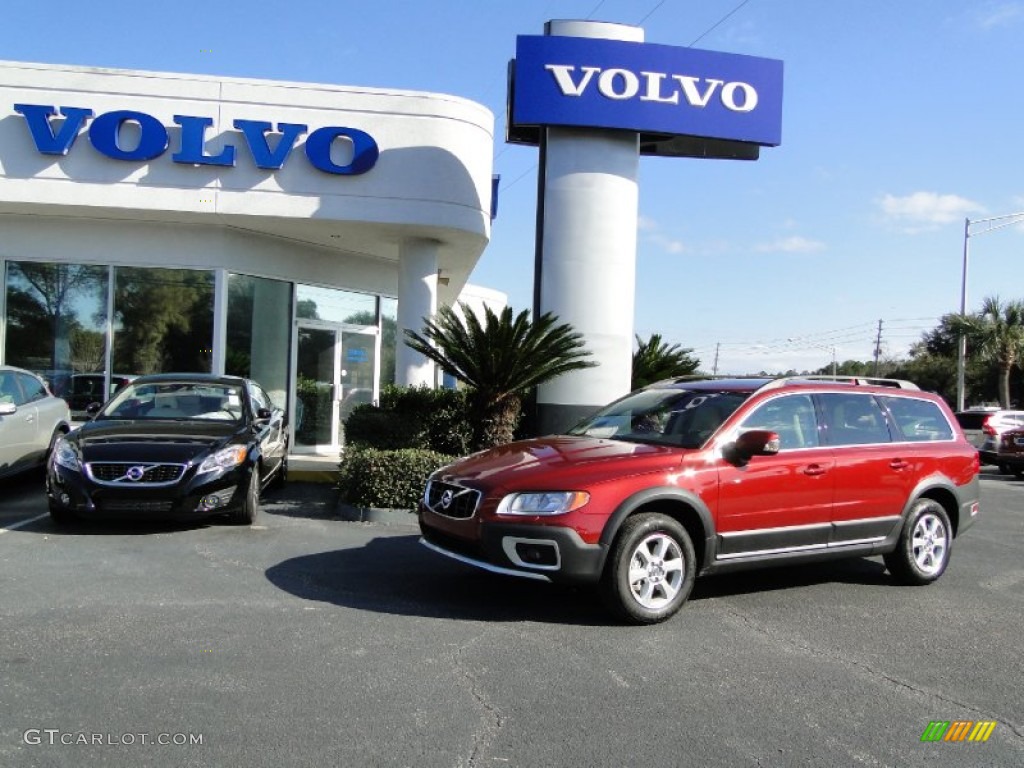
[(693, 477)]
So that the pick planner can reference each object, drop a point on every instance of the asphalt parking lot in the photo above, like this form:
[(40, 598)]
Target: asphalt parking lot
[(308, 640)]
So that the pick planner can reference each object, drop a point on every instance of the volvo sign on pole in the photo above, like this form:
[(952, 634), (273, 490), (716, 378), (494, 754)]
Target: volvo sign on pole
[(594, 97)]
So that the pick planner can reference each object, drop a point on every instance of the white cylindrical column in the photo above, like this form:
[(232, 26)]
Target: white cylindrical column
[(417, 299), (588, 250)]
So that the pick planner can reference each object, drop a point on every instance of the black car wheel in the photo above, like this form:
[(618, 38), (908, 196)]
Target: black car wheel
[(59, 515), (922, 553), (250, 510), (650, 569)]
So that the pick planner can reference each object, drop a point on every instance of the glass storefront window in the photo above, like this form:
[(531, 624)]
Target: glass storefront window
[(388, 339), (259, 316), (56, 319), (332, 305), (163, 320)]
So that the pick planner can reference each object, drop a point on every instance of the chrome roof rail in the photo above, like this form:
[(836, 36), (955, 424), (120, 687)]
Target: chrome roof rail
[(863, 381)]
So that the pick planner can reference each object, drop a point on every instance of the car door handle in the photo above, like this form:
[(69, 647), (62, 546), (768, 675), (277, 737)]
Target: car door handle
[(815, 469), (899, 464)]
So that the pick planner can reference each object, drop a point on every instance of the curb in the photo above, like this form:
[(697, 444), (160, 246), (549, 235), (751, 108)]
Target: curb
[(375, 515)]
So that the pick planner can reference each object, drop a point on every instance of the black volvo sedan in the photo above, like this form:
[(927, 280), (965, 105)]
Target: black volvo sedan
[(171, 446)]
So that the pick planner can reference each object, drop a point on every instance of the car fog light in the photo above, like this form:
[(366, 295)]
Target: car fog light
[(218, 499), (212, 501)]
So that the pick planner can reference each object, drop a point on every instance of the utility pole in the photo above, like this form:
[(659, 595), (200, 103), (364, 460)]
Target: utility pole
[(714, 367), (878, 346)]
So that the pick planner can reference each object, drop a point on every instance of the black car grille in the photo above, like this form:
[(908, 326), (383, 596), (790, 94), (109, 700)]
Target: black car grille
[(134, 474), (452, 500), (134, 505)]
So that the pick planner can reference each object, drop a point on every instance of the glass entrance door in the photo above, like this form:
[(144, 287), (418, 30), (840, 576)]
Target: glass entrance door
[(335, 370), (316, 388)]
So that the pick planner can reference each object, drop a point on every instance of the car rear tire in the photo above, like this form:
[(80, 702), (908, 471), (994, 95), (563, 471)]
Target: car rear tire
[(650, 569), (922, 554), (250, 510)]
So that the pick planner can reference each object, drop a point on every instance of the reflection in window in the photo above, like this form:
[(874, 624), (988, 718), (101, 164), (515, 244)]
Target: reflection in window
[(259, 316), (388, 339), (315, 303), (163, 320), (56, 318), (792, 417)]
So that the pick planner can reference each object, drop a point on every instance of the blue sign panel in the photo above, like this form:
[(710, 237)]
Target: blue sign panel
[(576, 81)]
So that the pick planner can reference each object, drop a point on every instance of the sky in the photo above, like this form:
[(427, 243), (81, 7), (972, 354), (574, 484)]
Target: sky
[(900, 121)]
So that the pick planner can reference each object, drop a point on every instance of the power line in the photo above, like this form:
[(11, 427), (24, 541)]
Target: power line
[(717, 23), (651, 12)]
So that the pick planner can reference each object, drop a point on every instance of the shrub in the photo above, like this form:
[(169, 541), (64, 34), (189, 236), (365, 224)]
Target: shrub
[(413, 417), (388, 479)]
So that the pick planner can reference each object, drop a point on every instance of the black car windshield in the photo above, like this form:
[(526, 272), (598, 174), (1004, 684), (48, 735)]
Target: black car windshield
[(176, 400), (679, 417)]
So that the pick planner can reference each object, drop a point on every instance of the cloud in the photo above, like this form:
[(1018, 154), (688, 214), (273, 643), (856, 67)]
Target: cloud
[(792, 244), (925, 210), (1001, 14), (649, 228), (667, 244)]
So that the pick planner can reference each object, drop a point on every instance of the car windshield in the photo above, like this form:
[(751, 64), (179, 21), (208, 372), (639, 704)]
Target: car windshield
[(680, 417), (176, 400)]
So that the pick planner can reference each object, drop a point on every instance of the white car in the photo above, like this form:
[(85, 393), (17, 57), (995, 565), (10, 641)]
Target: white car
[(31, 420)]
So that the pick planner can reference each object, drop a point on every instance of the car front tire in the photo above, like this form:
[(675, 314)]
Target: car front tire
[(922, 553), (249, 512), (650, 570), (59, 515)]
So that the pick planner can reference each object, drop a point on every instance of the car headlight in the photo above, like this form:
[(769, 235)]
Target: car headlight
[(64, 455), (225, 458), (547, 503)]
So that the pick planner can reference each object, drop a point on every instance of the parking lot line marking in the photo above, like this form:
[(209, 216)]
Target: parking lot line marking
[(23, 523)]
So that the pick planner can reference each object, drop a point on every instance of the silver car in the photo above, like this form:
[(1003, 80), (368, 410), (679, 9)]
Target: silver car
[(31, 420)]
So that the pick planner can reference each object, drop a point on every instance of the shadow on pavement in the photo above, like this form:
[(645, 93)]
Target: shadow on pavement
[(394, 574)]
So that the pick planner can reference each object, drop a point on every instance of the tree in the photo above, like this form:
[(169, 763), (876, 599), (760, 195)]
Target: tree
[(996, 333), (499, 361), (655, 360)]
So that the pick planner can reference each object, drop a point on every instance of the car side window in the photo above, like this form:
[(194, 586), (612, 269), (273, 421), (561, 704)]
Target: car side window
[(854, 419), (918, 420), (792, 417), (33, 388)]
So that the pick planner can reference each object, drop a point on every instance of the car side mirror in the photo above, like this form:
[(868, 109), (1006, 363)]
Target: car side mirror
[(264, 414), (7, 409), (755, 442), (92, 409)]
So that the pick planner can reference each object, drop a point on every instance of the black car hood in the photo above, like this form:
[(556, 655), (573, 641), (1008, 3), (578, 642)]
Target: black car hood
[(172, 441)]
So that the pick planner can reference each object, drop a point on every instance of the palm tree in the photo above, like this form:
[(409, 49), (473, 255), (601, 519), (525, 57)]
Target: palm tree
[(499, 361), (996, 333), (655, 360)]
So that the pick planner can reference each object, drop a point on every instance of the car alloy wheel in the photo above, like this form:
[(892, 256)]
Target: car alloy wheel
[(922, 553), (650, 570)]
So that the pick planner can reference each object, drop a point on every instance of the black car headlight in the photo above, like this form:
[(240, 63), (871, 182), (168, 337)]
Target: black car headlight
[(64, 455), (225, 458)]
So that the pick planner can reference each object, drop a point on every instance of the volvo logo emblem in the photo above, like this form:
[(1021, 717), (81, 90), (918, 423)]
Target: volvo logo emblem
[(135, 473), (446, 499)]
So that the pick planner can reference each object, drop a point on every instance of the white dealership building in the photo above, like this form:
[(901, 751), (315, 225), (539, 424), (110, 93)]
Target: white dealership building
[(284, 231)]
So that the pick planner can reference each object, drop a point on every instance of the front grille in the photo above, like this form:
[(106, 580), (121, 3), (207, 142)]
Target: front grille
[(452, 500), (134, 505), (134, 474)]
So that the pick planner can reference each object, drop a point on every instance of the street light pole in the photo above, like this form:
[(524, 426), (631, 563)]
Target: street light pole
[(990, 225)]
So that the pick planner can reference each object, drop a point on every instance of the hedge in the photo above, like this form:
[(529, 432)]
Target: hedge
[(387, 478), (412, 417)]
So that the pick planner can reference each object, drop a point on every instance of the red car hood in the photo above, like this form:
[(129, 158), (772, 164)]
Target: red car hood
[(558, 463)]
